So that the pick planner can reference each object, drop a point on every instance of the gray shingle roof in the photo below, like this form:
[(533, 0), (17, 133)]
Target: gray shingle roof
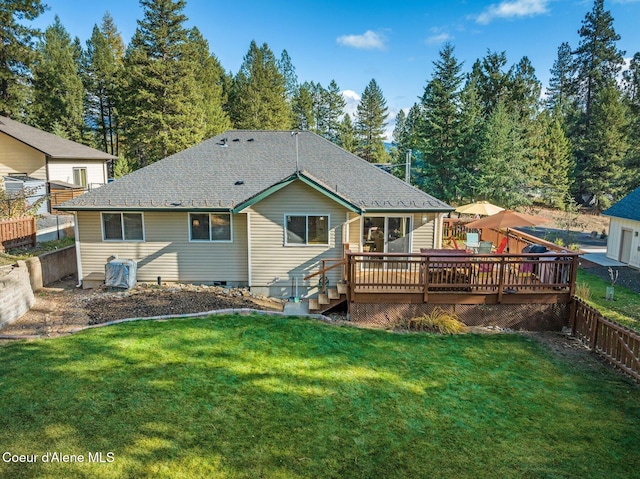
[(627, 208), (49, 144), (227, 174)]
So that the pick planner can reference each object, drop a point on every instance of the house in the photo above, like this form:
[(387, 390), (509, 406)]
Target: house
[(261, 209), (623, 242), (28, 152)]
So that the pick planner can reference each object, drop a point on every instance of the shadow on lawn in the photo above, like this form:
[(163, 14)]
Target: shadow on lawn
[(270, 397)]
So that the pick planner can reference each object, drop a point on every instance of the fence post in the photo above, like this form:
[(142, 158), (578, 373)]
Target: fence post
[(573, 315), (594, 331)]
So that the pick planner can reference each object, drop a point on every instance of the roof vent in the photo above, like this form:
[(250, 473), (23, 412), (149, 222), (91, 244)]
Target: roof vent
[(236, 140), (223, 143), (239, 182), (250, 139)]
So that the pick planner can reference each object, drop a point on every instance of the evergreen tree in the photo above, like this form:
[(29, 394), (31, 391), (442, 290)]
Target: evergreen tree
[(102, 74), (371, 116), (259, 97), (598, 61), (302, 108), (209, 80), (335, 104), (554, 160), (501, 160), (162, 103), (524, 90), (16, 54), (288, 72), (632, 99), (58, 91), (347, 137), (561, 91), (471, 139), (492, 82), (606, 148), (439, 129)]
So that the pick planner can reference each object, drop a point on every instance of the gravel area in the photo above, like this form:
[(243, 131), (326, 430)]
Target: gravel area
[(62, 308)]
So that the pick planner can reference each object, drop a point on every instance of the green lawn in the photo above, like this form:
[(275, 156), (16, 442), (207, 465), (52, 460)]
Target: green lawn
[(249, 397), (625, 308)]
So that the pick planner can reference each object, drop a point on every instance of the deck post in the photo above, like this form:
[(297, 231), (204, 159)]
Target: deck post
[(574, 276), (425, 293), (350, 275), (502, 270)]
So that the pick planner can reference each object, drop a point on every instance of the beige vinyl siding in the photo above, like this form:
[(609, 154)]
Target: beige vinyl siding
[(166, 251), (16, 157), (355, 232), (62, 170), (614, 240), (274, 265), (423, 233)]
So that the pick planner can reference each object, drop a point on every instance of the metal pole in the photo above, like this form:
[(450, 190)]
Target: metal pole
[(407, 169)]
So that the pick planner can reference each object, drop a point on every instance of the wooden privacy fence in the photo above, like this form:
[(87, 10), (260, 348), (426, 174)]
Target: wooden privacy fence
[(17, 233), (618, 345)]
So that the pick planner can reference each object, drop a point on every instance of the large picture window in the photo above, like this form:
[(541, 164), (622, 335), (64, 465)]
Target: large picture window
[(307, 230), (122, 227), (210, 226)]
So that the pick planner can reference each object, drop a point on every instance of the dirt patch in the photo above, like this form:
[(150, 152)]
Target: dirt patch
[(62, 308)]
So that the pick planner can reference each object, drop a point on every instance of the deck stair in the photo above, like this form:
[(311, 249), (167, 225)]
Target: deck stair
[(326, 301)]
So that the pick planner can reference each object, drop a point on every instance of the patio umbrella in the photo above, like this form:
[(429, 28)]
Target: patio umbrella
[(507, 219), (483, 208)]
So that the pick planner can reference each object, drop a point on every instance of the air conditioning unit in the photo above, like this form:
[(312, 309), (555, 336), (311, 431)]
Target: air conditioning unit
[(120, 273)]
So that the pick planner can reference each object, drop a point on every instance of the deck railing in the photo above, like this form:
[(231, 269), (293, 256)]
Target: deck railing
[(493, 274)]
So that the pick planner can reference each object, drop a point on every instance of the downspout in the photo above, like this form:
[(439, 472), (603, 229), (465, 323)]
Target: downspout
[(249, 249), (76, 233)]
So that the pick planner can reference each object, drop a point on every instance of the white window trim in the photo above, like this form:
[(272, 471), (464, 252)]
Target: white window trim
[(210, 240), (86, 174), (306, 240), (102, 213), (386, 217)]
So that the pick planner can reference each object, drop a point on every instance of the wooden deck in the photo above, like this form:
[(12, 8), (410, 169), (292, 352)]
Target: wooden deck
[(461, 279)]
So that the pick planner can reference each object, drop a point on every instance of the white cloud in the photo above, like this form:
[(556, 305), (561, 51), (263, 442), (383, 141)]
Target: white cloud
[(438, 39), (513, 9), (369, 40), (351, 99)]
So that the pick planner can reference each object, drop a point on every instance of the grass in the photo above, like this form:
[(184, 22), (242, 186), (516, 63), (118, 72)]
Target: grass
[(247, 397), (625, 308)]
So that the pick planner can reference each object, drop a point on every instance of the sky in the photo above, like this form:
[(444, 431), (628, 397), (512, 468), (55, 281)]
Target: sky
[(355, 41)]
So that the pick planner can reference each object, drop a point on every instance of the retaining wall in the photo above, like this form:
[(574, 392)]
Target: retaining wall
[(51, 267), (16, 295)]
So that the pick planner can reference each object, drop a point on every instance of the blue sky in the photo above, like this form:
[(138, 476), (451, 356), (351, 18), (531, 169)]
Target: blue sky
[(355, 41)]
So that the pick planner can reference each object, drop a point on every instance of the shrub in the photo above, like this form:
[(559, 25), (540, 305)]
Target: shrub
[(583, 291), (438, 321)]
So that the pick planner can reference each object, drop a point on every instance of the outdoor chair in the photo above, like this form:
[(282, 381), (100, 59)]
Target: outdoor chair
[(503, 245), (473, 241), (485, 247)]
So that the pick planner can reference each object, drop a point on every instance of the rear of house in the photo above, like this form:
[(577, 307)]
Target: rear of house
[(248, 208)]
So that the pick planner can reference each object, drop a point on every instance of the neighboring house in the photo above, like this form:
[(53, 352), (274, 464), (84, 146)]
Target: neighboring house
[(38, 155), (252, 208), (623, 242)]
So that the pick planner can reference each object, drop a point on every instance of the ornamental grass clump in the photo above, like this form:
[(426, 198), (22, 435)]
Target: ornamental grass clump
[(438, 321)]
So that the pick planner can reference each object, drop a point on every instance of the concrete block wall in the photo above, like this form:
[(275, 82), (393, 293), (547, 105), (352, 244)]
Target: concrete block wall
[(16, 295), (51, 267)]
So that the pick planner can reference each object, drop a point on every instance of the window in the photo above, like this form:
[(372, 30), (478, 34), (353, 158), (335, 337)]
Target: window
[(210, 227), (122, 227), (80, 176), (307, 230)]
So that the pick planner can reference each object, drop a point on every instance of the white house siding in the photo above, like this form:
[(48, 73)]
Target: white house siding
[(274, 265), (16, 157), (166, 251), (62, 170), (614, 241)]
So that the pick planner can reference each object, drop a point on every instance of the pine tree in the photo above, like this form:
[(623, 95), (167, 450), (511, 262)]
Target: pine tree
[(632, 99), (501, 160), (371, 116), (302, 108), (102, 67), (347, 137), (554, 160), (16, 54), (57, 87), (439, 128), (492, 82), (288, 72), (606, 148), (162, 104), (561, 90), (209, 81), (471, 139), (259, 97), (335, 103)]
